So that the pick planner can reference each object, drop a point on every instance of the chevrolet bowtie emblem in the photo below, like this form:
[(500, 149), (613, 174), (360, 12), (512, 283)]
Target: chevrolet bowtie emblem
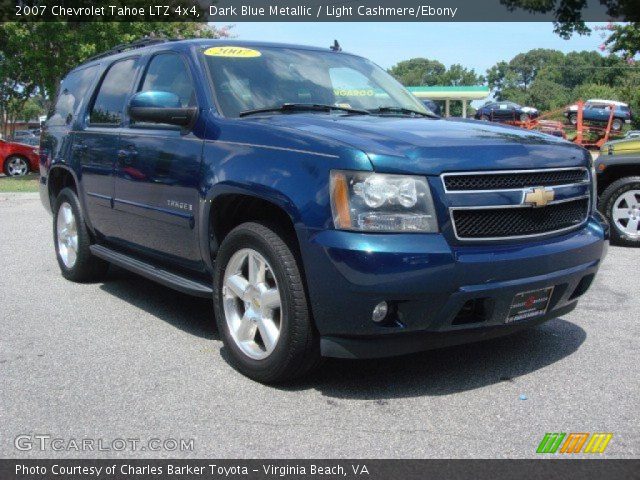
[(538, 197)]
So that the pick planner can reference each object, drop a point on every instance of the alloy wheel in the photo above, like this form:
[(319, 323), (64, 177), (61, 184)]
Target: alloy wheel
[(626, 213), (67, 235), (252, 304), (17, 167)]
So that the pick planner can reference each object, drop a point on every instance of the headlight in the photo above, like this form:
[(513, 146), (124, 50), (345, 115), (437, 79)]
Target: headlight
[(375, 202)]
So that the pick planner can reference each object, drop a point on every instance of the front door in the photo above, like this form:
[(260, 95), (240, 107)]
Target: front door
[(157, 174), (95, 146)]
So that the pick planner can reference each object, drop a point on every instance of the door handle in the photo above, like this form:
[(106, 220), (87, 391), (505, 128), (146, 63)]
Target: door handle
[(79, 147)]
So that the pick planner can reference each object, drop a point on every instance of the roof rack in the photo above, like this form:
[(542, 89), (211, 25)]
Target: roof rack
[(143, 42)]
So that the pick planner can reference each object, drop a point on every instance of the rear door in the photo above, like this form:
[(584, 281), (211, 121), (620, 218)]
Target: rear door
[(95, 146), (57, 135), (158, 171)]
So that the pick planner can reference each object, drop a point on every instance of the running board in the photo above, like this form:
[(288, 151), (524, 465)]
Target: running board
[(147, 270)]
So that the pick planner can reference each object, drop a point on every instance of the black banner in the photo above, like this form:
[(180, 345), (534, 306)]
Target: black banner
[(229, 11), (318, 469)]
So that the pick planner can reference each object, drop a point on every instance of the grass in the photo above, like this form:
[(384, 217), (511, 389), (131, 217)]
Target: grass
[(28, 183)]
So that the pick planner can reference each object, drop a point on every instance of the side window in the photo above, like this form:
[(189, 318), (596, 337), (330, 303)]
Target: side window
[(109, 103), (167, 72), (72, 92)]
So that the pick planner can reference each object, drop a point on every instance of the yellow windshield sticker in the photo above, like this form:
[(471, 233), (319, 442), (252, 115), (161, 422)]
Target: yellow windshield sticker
[(360, 92), (233, 52)]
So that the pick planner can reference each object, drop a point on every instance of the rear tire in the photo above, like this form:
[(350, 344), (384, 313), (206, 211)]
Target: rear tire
[(72, 240), (240, 305), (620, 198), (573, 119), (616, 125)]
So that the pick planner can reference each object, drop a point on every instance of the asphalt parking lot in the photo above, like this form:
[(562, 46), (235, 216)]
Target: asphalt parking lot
[(128, 359)]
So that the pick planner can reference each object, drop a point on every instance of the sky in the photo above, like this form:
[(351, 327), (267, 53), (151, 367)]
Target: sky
[(474, 45)]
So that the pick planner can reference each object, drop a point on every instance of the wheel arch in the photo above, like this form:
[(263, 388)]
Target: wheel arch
[(615, 172), (59, 177), (228, 205)]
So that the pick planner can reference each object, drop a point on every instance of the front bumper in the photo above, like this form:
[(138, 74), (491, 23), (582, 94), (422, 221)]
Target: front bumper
[(431, 286)]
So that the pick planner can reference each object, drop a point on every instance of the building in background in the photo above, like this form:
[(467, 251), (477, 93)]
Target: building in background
[(448, 94)]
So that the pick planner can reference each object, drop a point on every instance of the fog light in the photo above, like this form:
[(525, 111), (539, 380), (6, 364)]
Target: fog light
[(380, 312)]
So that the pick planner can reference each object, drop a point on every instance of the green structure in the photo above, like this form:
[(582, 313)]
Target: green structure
[(448, 94)]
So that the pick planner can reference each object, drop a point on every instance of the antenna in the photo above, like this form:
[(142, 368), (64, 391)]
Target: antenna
[(336, 46)]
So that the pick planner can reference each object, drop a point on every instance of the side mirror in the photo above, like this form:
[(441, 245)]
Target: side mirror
[(161, 107)]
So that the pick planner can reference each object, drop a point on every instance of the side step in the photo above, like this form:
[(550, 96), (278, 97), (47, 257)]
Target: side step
[(147, 270)]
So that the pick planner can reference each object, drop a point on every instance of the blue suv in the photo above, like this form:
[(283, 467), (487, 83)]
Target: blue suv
[(325, 211)]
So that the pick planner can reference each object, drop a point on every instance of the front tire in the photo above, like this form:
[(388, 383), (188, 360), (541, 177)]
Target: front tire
[(261, 306), (16, 166), (620, 203), (72, 240)]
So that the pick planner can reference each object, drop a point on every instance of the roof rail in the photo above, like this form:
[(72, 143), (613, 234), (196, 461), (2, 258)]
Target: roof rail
[(143, 42)]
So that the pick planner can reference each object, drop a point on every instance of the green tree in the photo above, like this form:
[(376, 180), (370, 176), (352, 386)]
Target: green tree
[(418, 71), (457, 75), (624, 39), (14, 92), (548, 79), (42, 53), (520, 71), (568, 13), (423, 71), (595, 90), (546, 94)]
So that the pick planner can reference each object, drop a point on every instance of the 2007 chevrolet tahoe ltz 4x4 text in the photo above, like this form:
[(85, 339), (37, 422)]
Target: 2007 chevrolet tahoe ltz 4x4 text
[(324, 209)]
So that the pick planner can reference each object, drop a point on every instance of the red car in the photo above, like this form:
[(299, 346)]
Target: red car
[(18, 159)]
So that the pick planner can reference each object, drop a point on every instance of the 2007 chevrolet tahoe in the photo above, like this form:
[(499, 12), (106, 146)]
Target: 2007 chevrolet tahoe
[(325, 210)]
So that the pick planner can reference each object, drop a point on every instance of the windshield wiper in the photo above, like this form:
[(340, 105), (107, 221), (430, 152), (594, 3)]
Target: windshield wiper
[(402, 111), (303, 107)]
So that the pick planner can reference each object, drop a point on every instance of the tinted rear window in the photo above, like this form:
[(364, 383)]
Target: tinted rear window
[(116, 85), (73, 90)]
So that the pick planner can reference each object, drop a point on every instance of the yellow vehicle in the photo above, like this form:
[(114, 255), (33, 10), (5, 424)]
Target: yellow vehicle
[(621, 147)]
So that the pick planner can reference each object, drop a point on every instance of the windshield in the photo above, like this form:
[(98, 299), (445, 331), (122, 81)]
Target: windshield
[(266, 77)]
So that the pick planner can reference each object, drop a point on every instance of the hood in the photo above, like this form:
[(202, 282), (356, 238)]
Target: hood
[(432, 146), (628, 145)]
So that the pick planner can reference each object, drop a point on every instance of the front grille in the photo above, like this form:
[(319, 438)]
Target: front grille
[(514, 180), (489, 223)]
